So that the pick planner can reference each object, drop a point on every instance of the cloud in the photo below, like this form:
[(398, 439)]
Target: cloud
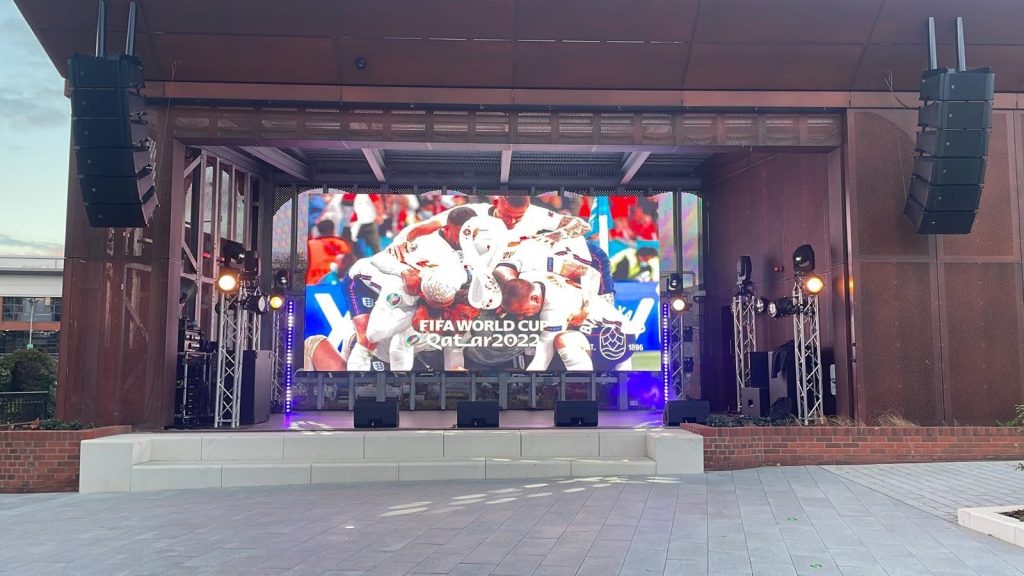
[(11, 246)]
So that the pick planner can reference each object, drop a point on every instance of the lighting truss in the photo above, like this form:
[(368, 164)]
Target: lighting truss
[(277, 350), (807, 347), (672, 326), (744, 338), (239, 331)]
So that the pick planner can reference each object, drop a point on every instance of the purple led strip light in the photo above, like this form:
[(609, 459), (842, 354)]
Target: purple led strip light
[(289, 351)]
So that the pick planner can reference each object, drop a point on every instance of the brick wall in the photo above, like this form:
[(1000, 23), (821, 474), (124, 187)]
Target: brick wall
[(44, 460), (749, 447)]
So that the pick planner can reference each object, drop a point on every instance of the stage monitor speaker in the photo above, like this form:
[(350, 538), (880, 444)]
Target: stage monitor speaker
[(679, 411), (255, 393), (963, 198), (373, 414), (477, 414), (938, 222), (759, 369), (575, 413), (111, 136), (754, 402)]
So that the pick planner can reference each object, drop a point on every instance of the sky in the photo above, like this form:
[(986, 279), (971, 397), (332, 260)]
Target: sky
[(35, 128)]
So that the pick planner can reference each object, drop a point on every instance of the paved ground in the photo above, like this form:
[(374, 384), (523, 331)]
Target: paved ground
[(772, 521)]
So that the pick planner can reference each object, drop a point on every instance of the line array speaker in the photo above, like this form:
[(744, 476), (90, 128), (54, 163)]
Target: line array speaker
[(952, 147), (112, 147)]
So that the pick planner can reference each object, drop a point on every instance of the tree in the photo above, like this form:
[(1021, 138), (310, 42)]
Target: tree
[(27, 371)]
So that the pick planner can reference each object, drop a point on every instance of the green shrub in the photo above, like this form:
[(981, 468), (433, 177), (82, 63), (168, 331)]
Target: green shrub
[(1018, 420), (61, 425), (27, 371)]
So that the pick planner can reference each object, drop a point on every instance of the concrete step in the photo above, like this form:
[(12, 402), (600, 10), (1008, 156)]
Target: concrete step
[(141, 462)]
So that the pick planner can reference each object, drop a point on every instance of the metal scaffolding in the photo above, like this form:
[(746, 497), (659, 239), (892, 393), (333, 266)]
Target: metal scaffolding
[(239, 331), (807, 347), (673, 358), (744, 339), (277, 351)]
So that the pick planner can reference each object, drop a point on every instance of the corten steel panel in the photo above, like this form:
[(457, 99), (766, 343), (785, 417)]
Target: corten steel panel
[(996, 231), (772, 66), (652, 20), (991, 22), (982, 340), (427, 19), (425, 62), (905, 62), (248, 58), (247, 17), (61, 44), (599, 65), (882, 164), (791, 22), (896, 330)]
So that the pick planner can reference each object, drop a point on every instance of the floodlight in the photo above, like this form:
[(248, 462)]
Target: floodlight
[(276, 301), (227, 282), (812, 285)]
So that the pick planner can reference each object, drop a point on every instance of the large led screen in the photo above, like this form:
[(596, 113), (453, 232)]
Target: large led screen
[(553, 282)]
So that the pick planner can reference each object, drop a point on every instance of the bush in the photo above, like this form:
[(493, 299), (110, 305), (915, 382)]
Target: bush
[(1018, 420), (60, 425), (27, 371)]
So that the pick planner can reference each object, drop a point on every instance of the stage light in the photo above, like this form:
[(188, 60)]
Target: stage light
[(812, 285), (743, 270), (674, 283), (761, 305), (276, 301), (781, 307), (256, 303), (678, 304), (281, 279), (227, 282), (803, 259)]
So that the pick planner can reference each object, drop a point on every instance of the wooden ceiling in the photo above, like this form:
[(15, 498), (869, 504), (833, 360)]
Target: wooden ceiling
[(554, 44)]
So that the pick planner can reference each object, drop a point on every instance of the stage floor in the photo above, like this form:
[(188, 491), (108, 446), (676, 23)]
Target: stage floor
[(445, 419)]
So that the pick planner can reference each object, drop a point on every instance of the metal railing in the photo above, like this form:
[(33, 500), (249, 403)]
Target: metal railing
[(16, 407)]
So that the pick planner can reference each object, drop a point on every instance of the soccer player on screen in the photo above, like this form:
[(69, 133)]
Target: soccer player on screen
[(586, 332)]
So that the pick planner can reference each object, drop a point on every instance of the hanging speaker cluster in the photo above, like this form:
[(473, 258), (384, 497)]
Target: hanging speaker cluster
[(112, 146)]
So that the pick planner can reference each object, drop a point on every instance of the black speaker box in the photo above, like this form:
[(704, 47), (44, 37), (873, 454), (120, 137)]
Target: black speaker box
[(115, 71), (927, 222), (963, 143), (477, 414), (109, 133), (943, 115), (373, 414), (123, 215), (113, 161), (945, 198), (948, 84), (679, 411), (255, 392), (576, 413), (107, 103), (950, 171), (758, 362), (115, 189), (754, 402)]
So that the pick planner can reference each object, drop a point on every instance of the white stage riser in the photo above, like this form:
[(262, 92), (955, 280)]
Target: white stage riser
[(143, 462)]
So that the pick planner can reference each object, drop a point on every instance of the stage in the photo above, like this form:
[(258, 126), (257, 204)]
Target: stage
[(445, 420)]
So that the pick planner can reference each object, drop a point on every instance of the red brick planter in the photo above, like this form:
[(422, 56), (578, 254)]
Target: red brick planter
[(749, 447), (45, 460)]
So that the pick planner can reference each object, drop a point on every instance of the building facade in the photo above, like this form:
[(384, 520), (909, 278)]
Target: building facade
[(30, 296)]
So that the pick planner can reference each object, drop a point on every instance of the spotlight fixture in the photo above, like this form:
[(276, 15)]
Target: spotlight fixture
[(743, 270), (281, 279), (781, 307), (803, 259), (276, 301), (256, 303), (678, 303), (674, 283), (761, 305), (227, 282), (360, 63), (812, 284)]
